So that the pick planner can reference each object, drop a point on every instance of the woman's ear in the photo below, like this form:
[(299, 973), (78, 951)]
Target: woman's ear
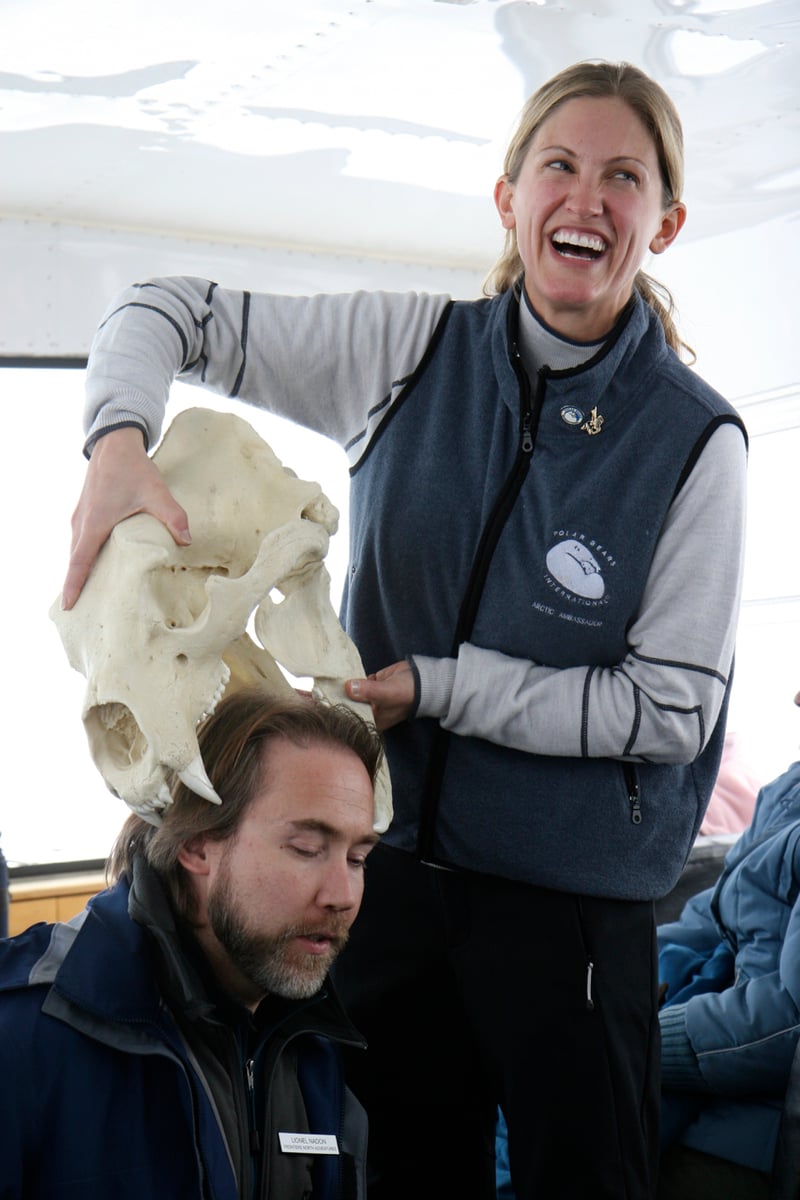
[(503, 199), (671, 225)]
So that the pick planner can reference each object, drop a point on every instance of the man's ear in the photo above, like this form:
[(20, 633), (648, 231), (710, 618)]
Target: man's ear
[(503, 198), (671, 225), (193, 855)]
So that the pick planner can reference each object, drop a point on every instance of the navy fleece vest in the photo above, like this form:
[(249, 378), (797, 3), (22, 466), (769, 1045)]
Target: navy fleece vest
[(483, 511)]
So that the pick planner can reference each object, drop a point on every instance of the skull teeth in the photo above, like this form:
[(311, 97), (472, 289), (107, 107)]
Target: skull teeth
[(196, 780)]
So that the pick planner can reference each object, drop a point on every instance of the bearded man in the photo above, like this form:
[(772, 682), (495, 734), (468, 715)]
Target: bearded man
[(180, 1036)]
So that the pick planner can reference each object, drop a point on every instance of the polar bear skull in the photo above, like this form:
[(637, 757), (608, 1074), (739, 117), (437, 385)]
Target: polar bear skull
[(160, 631)]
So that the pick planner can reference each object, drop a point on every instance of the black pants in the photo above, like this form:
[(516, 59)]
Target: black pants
[(474, 991)]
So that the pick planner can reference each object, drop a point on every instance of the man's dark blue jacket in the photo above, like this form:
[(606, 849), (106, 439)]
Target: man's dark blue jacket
[(104, 1097)]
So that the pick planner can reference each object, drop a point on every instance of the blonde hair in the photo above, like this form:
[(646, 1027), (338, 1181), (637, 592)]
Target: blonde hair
[(660, 118)]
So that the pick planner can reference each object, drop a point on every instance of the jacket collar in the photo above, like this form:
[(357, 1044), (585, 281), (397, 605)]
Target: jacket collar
[(132, 931)]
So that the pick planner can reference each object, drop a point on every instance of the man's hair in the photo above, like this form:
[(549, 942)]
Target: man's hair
[(234, 745)]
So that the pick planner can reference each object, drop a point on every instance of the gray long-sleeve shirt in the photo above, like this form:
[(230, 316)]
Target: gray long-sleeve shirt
[(339, 365)]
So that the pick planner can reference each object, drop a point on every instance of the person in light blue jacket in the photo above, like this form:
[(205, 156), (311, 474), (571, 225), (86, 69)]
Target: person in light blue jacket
[(730, 970), (730, 1020)]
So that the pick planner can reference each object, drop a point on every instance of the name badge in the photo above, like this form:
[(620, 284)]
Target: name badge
[(308, 1143)]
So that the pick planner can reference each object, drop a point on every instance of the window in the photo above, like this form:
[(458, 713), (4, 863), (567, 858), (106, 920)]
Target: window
[(767, 673), (55, 806)]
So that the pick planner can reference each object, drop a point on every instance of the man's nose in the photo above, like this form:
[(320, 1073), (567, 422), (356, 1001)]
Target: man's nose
[(341, 886)]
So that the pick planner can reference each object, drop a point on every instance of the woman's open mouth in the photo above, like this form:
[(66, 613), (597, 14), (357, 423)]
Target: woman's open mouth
[(570, 244)]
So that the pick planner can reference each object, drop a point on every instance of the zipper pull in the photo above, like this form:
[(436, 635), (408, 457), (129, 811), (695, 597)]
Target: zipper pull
[(255, 1140), (589, 1000), (527, 440)]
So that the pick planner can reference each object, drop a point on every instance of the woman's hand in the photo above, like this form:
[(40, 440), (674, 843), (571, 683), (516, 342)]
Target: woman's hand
[(389, 691), (120, 480)]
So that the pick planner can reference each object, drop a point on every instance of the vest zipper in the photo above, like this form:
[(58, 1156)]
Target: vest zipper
[(530, 408), (527, 437)]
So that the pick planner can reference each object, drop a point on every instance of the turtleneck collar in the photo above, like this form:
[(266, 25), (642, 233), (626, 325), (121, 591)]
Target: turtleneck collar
[(541, 346)]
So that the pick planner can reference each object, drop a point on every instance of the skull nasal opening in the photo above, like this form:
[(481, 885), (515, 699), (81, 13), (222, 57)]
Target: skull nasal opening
[(114, 736)]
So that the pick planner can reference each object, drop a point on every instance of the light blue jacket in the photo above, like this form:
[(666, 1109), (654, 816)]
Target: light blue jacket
[(744, 1036)]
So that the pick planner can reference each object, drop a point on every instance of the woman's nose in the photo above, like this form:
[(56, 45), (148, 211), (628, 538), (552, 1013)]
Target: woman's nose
[(585, 198)]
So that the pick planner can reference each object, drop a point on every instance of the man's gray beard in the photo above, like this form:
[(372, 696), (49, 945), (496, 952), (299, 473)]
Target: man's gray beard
[(264, 960)]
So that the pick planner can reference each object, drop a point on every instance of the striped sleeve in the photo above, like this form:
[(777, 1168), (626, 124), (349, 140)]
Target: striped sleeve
[(328, 362)]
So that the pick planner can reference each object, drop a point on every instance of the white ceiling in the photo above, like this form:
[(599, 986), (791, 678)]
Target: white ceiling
[(372, 127)]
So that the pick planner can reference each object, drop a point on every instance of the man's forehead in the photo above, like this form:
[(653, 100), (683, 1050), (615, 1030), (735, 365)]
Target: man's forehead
[(320, 782), (338, 807)]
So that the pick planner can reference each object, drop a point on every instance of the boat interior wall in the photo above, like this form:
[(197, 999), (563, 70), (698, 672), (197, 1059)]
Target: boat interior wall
[(735, 293), (68, 274)]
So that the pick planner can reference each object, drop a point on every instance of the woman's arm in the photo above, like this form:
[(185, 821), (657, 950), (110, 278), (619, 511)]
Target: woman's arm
[(326, 362), (322, 361), (662, 701)]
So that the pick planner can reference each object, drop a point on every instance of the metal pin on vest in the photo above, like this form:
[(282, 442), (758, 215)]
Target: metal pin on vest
[(593, 424)]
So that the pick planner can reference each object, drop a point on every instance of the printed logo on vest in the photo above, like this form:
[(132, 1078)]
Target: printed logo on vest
[(574, 566)]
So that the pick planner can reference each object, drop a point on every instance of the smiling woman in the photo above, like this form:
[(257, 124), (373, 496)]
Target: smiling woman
[(586, 215)]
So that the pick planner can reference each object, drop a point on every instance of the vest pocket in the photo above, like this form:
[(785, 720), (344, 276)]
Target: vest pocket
[(631, 777)]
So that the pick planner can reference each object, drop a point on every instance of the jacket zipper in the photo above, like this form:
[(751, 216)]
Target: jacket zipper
[(254, 1137), (530, 408), (257, 1144)]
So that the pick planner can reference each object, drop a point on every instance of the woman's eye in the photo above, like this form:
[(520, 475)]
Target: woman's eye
[(627, 176), (558, 164)]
